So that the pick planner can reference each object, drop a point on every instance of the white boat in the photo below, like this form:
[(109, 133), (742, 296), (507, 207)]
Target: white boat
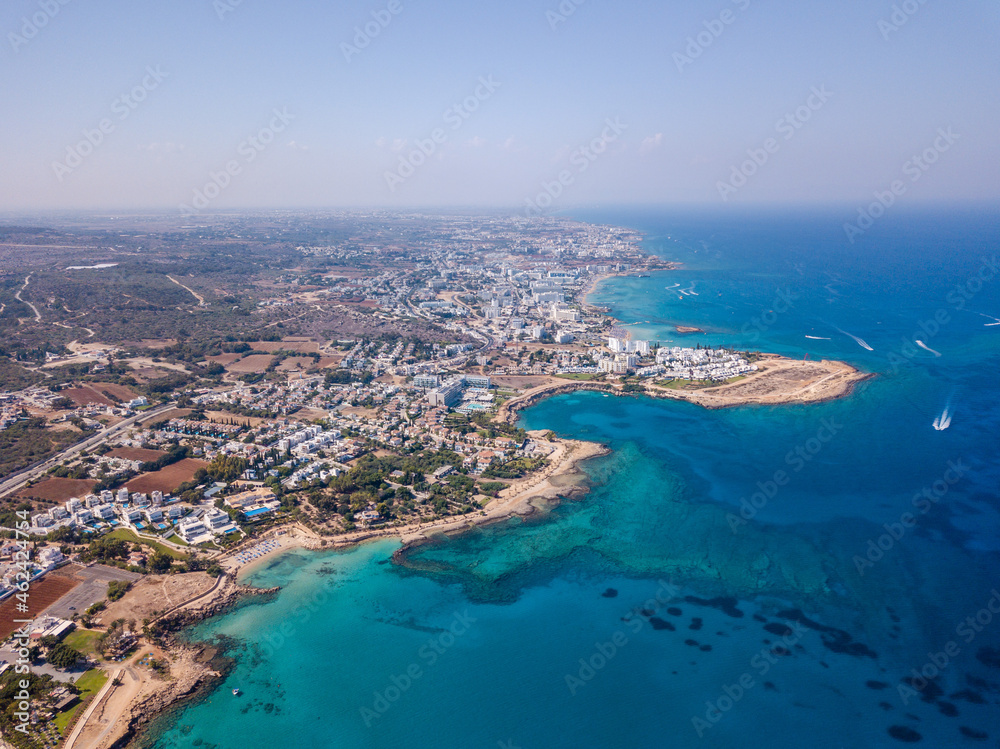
[(236, 692)]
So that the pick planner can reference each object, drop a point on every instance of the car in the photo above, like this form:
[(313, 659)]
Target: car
[(72, 608)]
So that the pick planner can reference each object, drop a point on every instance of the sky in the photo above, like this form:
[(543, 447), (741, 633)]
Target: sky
[(194, 105)]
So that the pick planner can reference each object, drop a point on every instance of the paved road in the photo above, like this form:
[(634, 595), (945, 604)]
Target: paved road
[(109, 686), (18, 480)]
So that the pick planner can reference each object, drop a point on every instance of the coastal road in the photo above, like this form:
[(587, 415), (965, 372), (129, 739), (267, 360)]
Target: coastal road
[(108, 688), (16, 481)]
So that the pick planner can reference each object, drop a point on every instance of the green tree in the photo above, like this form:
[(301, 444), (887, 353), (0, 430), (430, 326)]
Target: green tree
[(160, 562), (63, 656)]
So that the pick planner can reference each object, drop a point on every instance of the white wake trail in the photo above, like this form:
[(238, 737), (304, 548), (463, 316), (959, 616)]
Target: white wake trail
[(925, 347)]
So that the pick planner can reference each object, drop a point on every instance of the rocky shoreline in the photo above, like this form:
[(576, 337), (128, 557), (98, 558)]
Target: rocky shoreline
[(191, 664), (832, 380)]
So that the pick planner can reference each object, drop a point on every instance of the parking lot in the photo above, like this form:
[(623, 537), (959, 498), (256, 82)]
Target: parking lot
[(92, 588)]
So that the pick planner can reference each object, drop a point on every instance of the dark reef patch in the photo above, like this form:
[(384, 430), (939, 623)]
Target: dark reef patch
[(969, 696), (781, 630), (725, 604), (610, 593), (660, 624), (907, 735), (948, 709), (973, 734), (989, 657)]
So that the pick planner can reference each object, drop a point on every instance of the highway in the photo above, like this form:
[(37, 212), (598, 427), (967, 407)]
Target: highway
[(16, 481)]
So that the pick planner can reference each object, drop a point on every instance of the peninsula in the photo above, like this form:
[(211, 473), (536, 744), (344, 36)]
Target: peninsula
[(336, 378)]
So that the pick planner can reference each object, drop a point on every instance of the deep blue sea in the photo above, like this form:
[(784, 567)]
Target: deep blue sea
[(809, 575)]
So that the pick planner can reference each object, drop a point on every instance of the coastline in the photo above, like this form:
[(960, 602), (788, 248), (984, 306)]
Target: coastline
[(192, 664), (561, 478), (819, 382), (780, 381)]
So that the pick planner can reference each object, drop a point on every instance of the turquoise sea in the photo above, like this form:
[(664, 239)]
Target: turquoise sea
[(810, 575)]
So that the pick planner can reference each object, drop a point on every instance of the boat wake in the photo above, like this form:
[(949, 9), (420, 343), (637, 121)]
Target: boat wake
[(996, 320), (818, 338), (925, 347), (943, 421), (860, 341)]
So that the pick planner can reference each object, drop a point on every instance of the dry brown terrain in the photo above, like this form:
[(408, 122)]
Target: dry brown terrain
[(175, 413), (41, 594), (778, 381), (296, 363), (57, 490), (166, 479), (224, 417), (224, 359), (781, 380), (136, 453), (156, 593), (99, 392), (522, 382), (253, 364), (299, 345)]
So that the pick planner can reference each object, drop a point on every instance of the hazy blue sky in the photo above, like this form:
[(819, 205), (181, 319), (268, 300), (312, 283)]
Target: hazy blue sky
[(688, 123)]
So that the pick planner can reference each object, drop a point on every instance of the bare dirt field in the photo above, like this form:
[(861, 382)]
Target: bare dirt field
[(41, 594), (175, 413), (298, 345), (57, 490), (297, 364), (523, 382), (85, 395), (253, 364), (224, 417), (136, 453), (166, 479), (113, 390), (224, 359), (156, 593)]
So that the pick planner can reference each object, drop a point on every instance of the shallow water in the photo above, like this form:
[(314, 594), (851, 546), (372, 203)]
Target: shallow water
[(740, 577)]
